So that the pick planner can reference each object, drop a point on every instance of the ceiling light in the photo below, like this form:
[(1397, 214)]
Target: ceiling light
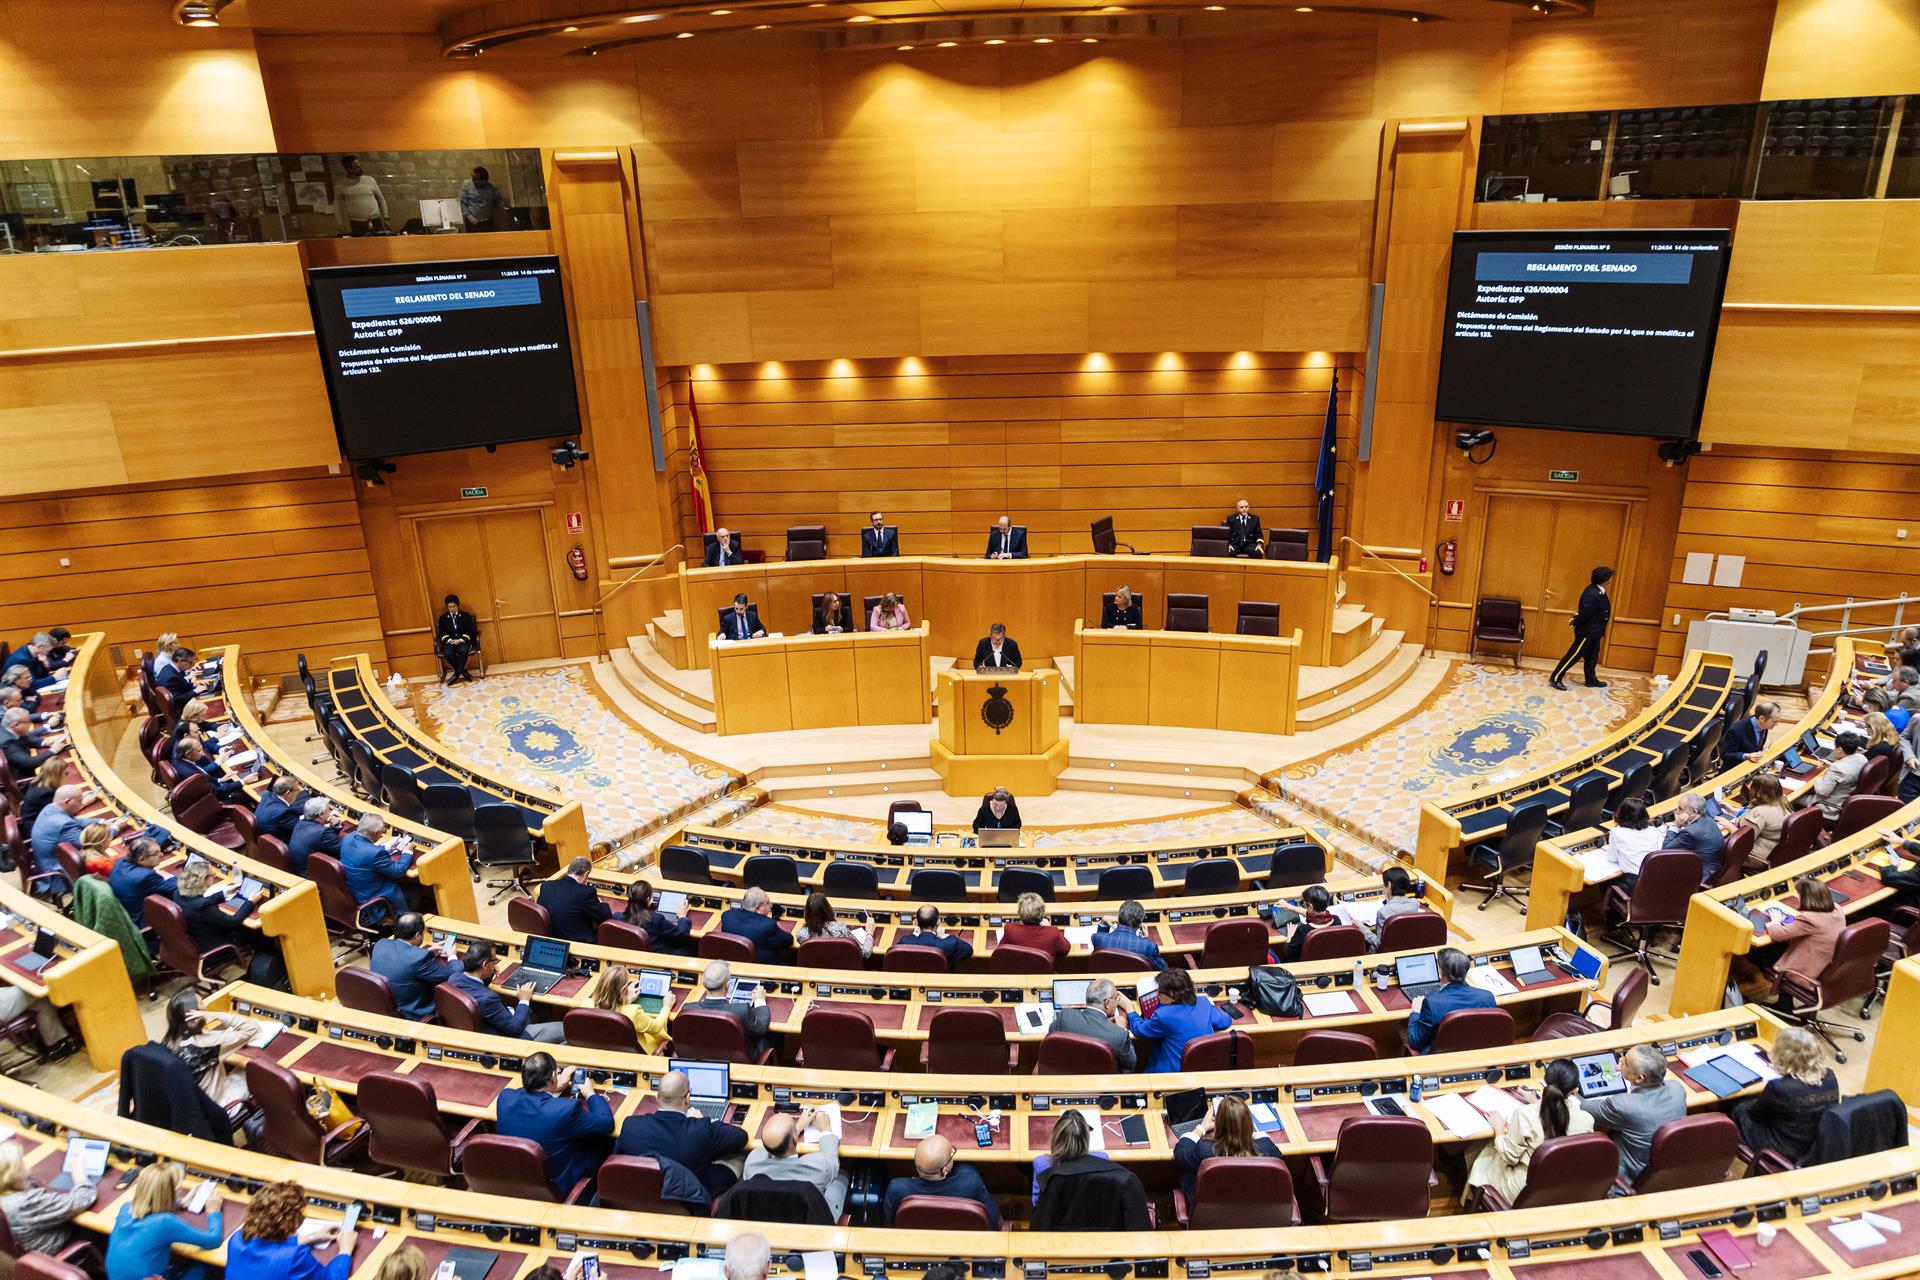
[(1089, 40), (1044, 40), (906, 48), (569, 30), (721, 13), (684, 35), (1304, 8), (948, 44), (640, 17), (765, 26), (1216, 8), (861, 17), (996, 42)]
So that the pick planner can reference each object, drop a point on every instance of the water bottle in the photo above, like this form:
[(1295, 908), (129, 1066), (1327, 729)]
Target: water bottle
[(1359, 975), (1413, 1089)]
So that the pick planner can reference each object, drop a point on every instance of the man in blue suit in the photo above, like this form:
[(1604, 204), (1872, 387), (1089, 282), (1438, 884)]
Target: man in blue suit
[(58, 824), (742, 622), (929, 932), (190, 757), (373, 873), (1126, 934), (675, 1131), (1693, 828), (1455, 964), (33, 655), (410, 969), (753, 920), (478, 968), (173, 676), (1006, 541), (878, 540), (279, 809), (312, 834), (562, 1112), (1747, 737), (134, 880)]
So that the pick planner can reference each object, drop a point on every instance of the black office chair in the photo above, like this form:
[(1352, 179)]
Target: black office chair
[(1104, 542), (850, 879), (684, 864), (1015, 881), (1632, 787), (1117, 884), (404, 798), (774, 872), (1525, 827), (1667, 775), (502, 842), (937, 884), (1586, 807), (450, 810)]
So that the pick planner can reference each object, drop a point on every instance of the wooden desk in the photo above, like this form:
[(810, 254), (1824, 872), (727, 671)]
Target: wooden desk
[(999, 730), (87, 975), (821, 682), (1248, 684)]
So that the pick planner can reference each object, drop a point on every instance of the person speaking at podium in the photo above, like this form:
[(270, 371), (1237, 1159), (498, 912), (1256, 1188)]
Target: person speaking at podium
[(996, 652)]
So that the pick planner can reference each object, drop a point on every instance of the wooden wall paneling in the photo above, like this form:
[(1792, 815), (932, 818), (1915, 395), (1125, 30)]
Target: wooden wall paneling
[(1639, 53), (1829, 48)]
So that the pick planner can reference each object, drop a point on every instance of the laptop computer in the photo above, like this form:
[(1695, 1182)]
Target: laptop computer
[(1528, 967), (543, 963), (656, 986), (1811, 744), (670, 902), (710, 1084), (1070, 993), (999, 838), (86, 1160), (45, 946), (919, 825), (1600, 1075), (1185, 1110), (1418, 975)]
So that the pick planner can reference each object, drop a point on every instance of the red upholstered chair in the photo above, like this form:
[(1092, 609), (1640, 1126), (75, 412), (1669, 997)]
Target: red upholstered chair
[(1849, 975), (197, 807), (271, 850), (337, 904), (1733, 862), (841, 1040), (634, 1183), (1668, 881), (290, 1128), (1335, 942), (1692, 1151), (73, 863), (1903, 941), (1232, 1193), (1622, 1009), (1064, 1054), (45, 885), (1573, 1169), (524, 915), (1498, 620), (713, 1036), (1381, 1169), (1011, 959), (1325, 1048), (1797, 838), (406, 1130), (177, 949), (725, 946), (829, 953), (365, 990), (1218, 1051), (1114, 960), (515, 1168), (38, 1266), (1466, 1029), (969, 1042), (607, 1029), (899, 807), (942, 1213), (1187, 611), (911, 958), (620, 933), (459, 1010), (1863, 809), (1413, 931), (1234, 944)]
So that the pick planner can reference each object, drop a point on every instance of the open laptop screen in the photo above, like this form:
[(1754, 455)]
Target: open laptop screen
[(704, 1079), (1414, 971), (1599, 1075), (1070, 993), (919, 825), (546, 953)]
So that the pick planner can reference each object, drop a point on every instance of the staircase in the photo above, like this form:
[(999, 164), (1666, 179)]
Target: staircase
[(1369, 662), (685, 697)]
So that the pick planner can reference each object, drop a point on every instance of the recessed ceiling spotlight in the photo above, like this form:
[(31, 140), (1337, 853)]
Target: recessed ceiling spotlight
[(684, 35), (996, 42), (1043, 40), (1303, 8), (569, 30), (948, 44), (1089, 40), (906, 48), (765, 26), (640, 17), (1216, 8), (862, 17), (721, 13)]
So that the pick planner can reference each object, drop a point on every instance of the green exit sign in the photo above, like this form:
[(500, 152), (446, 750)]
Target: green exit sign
[(480, 490), (1565, 477)]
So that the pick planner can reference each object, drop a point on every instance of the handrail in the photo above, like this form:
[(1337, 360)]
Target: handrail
[(1846, 606), (651, 561), (1369, 551)]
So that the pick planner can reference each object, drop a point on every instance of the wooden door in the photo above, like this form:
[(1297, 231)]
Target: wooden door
[(450, 563), (525, 623), (1540, 550)]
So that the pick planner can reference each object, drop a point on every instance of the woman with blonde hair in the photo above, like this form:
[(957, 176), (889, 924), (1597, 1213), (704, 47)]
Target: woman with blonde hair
[(143, 1236), (192, 724), (1882, 738), (41, 1220), (96, 848), (47, 779), (1766, 813), (404, 1263), (889, 615), (615, 988), (276, 1243), (1786, 1115)]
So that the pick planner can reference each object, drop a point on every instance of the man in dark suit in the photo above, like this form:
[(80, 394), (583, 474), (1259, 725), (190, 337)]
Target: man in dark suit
[(995, 652), (1589, 625), (312, 834), (722, 552), (742, 622), (753, 920), (1456, 994), (478, 968), (1006, 542), (574, 905), (1121, 611), (752, 1015), (675, 1131), (21, 745), (410, 969), (1747, 737), (173, 677), (456, 634), (878, 540), (190, 757), (1243, 533), (560, 1111), (35, 655), (279, 809), (375, 874), (1693, 828), (929, 931), (935, 1174)]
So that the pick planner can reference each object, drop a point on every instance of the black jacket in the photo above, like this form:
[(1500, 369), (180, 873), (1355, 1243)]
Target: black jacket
[(1090, 1194), (984, 819), (212, 923), (1743, 739), (459, 626), (886, 542), (157, 1088), (1595, 611), (1015, 542), (21, 757), (576, 908), (763, 1198), (1111, 615), (731, 629), (1009, 654), (734, 555), (692, 1141), (1861, 1126), (1243, 536)]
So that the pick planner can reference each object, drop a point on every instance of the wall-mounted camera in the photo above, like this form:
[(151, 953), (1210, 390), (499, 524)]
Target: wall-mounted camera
[(568, 454), (375, 471), (1471, 440)]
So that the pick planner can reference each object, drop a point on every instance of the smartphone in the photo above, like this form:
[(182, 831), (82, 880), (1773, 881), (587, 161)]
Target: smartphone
[(982, 1133), (590, 1266), (1708, 1268), (126, 1178), (352, 1220)]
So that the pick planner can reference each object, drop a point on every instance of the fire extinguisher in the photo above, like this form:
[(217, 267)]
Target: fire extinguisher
[(1449, 552), (577, 561)]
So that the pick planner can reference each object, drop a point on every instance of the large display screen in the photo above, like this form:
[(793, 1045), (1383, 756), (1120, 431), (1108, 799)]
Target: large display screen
[(1606, 331), (444, 355)]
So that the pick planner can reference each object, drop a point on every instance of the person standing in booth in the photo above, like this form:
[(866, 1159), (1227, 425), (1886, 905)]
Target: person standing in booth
[(1243, 533), (878, 540), (456, 634), (1589, 626), (996, 652), (1006, 542), (723, 553)]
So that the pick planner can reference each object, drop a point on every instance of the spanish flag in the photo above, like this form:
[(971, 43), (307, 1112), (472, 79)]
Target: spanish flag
[(697, 473)]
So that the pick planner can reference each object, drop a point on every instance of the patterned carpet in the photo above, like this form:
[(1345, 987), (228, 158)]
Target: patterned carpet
[(550, 729), (1486, 723)]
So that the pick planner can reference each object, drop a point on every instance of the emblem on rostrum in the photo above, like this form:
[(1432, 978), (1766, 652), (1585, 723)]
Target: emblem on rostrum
[(996, 710)]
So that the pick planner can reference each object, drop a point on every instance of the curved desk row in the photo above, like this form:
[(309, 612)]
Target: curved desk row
[(1561, 867), (326, 1044), (1695, 698), (902, 1005), (85, 973), (361, 703), (1039, 600), (1629, 1236), (442, 868)]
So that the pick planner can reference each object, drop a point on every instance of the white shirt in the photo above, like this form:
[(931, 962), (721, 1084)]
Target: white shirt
[(360, 199), (1629, 848), (994, 656)]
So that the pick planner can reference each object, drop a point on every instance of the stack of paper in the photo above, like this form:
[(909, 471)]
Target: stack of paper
[(1266, 1118), (1490, 1101), (1598, 864), (921, 1117), (1329, 1004), (1366, 913), (1079, 935), (1095, 1127), (1459, 1119), (1489, 979), (826, 1117), (1033, 1018), (1855, 1234)]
